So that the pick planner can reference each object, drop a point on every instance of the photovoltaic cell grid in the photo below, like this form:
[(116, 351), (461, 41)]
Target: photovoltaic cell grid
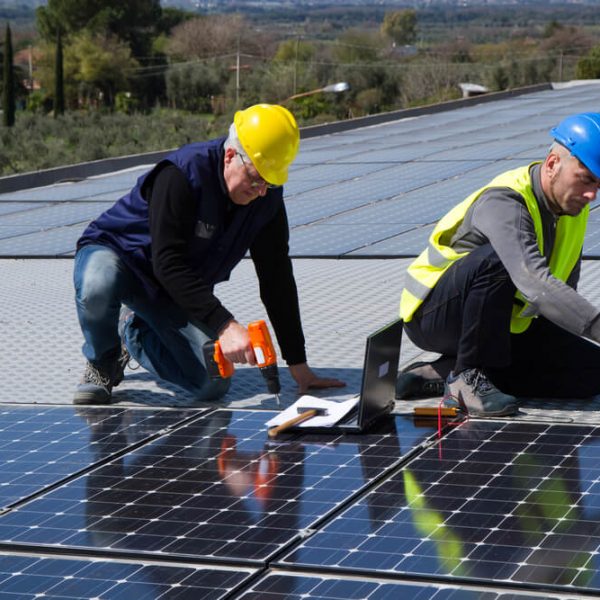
[(339, 239), (346, 174), (58, 241), (25, 577), (53, 215), (215, 490), (39, 446), (115, 184), (503, 502), (293, 586)]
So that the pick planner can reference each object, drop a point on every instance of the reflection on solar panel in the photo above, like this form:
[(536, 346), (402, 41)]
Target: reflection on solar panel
[(24, 577), (215, 489), (503, 502), (41, 446)]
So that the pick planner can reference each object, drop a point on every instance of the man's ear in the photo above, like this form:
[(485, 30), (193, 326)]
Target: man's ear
[(229, 155), (552, 164)]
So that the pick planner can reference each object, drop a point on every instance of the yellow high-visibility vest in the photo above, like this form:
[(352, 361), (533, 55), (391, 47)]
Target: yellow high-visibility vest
[(431, 264)]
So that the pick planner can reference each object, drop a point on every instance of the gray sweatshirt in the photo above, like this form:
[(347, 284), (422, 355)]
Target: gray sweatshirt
[(500, 216)]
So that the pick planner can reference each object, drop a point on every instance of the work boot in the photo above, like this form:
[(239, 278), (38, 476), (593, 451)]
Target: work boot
[(419, 380), (122, 362), (478, 396), (97, 382)]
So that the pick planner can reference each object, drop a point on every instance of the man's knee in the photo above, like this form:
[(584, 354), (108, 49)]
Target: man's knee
[(96, 294), (96, 285)]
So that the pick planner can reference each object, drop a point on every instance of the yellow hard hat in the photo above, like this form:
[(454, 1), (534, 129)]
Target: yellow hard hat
[(269, 134)]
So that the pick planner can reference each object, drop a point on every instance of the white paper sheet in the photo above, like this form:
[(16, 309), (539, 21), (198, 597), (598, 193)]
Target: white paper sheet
[(335, 411)]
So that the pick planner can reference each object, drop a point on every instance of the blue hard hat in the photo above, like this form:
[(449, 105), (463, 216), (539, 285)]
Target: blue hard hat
[(580, 134)]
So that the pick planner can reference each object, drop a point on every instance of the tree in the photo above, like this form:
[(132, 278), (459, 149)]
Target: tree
[(8, 90), (298, 56), (170, 18), (59, 83), (100, 63), (588, 67), (215, 35), (356, 46), (551, 28), (191, 86), (295, 50), (567, 41), (400, 26), (134, 22)]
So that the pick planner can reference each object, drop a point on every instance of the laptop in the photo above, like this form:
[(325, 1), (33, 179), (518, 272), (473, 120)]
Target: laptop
[(378, 385)]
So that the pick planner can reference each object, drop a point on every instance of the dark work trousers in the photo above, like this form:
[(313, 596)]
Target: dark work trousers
[(467, 317)]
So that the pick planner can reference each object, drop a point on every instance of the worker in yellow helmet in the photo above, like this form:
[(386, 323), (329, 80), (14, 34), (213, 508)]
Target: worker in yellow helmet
[(494, 293), (145, 269)]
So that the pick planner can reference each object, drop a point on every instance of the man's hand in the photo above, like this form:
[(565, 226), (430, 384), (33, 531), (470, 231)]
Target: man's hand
[(235, 343), (306, 379)]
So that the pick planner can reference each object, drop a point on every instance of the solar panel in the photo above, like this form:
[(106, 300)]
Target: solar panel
[(409, 243), (591, 244), (112, 184), (9, 208), (304, 179), (53, 215), (494, 150), (53, 242), (339, 173), (504, 502), (288, 586), (39, 447), (26, 577), (336, 240), (217, 489)]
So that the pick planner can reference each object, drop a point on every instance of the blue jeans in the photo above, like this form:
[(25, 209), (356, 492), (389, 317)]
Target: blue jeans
[(159, 336)]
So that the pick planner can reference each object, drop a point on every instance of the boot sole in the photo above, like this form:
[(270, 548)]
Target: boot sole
[(432, 388), (89, 399), (511, 409)]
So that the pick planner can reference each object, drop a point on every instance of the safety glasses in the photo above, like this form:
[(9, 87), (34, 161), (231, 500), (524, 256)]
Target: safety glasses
[(256, 181)]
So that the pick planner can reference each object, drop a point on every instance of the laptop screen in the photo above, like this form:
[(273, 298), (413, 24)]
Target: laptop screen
[(380, 372)]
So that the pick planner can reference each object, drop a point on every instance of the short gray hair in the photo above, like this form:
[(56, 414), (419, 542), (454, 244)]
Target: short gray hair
[(559, 149), (233, 141)]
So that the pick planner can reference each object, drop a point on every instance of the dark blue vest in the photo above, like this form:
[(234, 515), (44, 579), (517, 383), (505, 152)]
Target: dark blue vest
[(223, 232)]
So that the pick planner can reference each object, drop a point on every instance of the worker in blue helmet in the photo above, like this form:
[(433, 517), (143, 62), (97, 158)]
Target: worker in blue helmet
[(495, 291)]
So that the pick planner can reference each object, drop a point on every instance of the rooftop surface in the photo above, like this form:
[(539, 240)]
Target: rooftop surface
[(159, 496)]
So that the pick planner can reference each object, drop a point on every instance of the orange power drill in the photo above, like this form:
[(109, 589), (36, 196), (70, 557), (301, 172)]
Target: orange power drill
[(266, 359)]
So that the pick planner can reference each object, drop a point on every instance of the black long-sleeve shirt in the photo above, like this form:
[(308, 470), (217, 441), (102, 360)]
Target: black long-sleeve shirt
[(172, 212)]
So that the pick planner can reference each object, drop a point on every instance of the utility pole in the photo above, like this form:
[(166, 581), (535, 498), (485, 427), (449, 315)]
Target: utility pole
[(8, 91), (296, 63), (237, 76), (30, 61), (560, 66)]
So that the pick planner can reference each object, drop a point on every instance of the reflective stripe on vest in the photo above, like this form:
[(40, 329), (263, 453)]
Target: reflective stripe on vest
[(425, 271)]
